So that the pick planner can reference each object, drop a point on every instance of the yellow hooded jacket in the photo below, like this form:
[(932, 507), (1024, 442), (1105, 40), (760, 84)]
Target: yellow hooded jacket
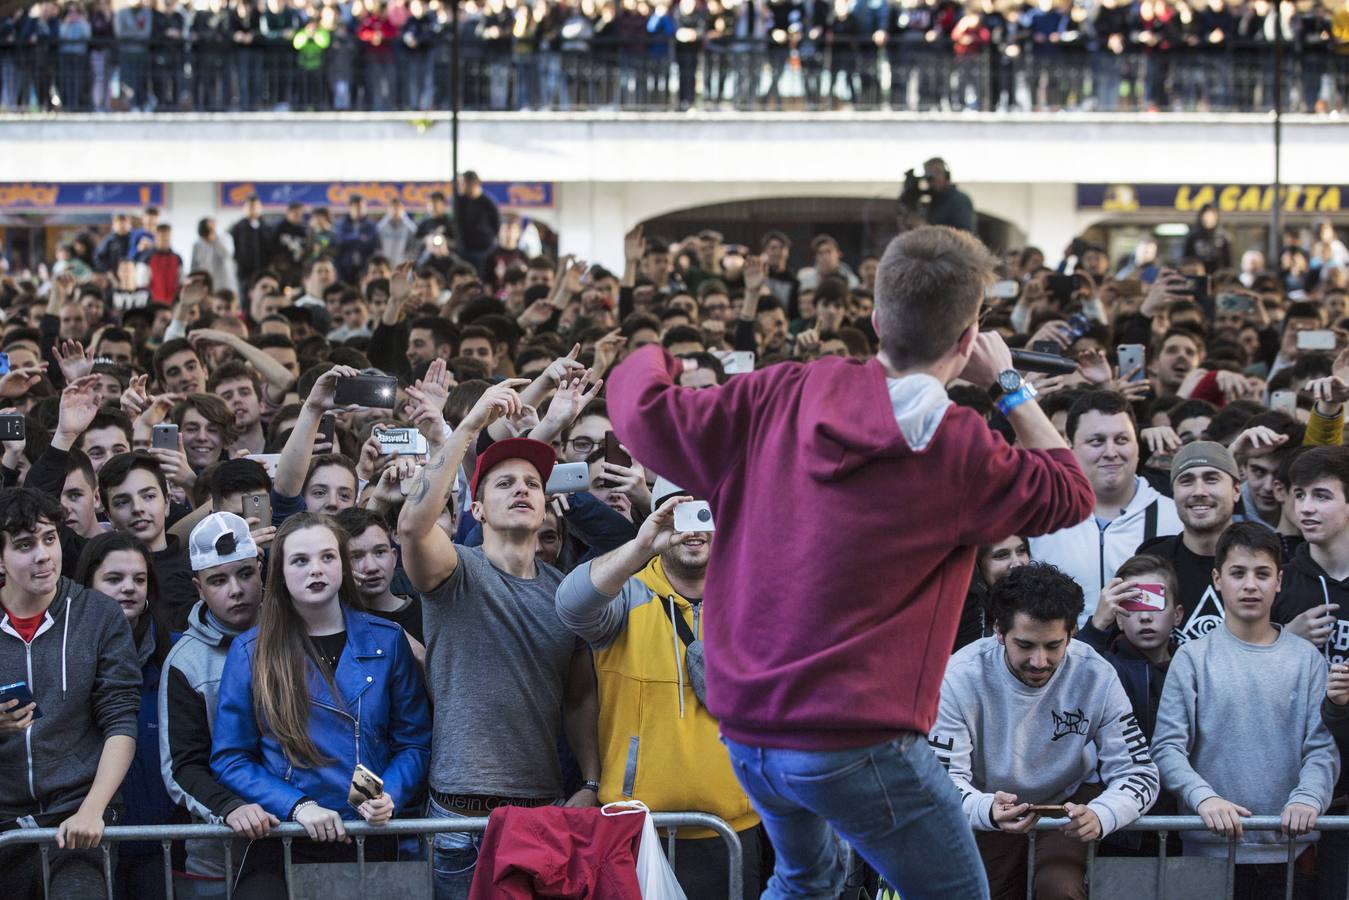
[(658, 744)]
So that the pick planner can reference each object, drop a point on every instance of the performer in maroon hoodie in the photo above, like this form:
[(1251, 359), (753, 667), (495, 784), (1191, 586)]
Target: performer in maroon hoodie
[(850, 499)]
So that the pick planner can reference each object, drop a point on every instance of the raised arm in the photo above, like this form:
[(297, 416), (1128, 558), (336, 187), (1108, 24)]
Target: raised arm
[(299, 450), (278, 378), (429, 556)]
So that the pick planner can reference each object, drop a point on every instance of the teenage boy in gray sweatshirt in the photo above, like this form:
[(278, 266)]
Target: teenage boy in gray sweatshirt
[(62, 758), (1030, 716), (1239, 729)]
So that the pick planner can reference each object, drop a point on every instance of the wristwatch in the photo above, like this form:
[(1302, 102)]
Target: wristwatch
[(591, 786), (1009, 381)]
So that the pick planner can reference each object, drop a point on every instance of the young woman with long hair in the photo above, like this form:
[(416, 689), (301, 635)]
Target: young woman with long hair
[(315, 689), (119, 565)]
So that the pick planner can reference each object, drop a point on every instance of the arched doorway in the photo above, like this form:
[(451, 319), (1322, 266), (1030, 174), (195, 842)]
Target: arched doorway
[(863, 226)]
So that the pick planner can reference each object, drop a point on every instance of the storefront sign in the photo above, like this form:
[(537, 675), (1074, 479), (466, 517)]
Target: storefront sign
[(39, 196), (1226, 198), (415, 194)]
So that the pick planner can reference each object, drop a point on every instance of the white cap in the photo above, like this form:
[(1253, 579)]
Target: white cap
[(218, 539)]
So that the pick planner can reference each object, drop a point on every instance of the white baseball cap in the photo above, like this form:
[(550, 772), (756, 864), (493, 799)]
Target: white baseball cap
[(220, 538)]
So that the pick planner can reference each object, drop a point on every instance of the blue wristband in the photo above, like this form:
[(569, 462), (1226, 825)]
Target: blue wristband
[(1008, 402)]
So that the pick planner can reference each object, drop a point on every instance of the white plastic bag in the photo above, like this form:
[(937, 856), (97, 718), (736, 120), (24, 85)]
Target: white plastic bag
[(654, 875)]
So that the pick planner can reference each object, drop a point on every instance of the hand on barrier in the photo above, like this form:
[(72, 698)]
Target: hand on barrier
[(1298, 819), (1222, 817), (322, 824), (82, 831), (251, 821)]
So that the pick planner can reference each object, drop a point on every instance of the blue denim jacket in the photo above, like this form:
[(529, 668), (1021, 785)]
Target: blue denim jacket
[(382, 720)]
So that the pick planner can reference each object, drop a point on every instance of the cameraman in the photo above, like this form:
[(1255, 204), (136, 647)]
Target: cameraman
[(939, 203)]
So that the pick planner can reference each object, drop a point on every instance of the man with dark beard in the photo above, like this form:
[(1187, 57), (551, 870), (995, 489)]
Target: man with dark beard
[(640, 609), (1205, 485)]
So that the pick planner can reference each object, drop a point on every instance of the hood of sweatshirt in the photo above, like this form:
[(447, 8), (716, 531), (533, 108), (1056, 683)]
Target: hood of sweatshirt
[(202, 627), (859, 416)]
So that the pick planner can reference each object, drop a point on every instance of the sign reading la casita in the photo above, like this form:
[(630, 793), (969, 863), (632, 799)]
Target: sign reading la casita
[(1226, 198)]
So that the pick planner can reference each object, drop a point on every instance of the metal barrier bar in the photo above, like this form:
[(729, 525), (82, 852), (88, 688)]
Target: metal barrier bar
[(1163, 825), (287, 832)]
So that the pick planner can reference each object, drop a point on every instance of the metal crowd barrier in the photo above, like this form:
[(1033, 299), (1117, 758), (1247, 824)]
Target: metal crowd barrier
[(1163, 826), (359, 831)]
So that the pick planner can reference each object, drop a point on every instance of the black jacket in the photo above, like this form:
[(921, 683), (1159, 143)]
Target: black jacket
[(1305, 585)]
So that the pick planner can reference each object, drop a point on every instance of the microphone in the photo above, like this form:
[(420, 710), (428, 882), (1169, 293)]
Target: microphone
[(1049, 363)]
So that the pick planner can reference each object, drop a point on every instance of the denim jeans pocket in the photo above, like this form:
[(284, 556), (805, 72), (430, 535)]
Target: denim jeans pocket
[(852, 797)]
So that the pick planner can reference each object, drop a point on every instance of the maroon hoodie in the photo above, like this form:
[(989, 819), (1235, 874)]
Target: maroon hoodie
[(842, 556)]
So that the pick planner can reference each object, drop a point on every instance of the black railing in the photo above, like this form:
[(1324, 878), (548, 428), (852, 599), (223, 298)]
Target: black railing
[(653, 75)]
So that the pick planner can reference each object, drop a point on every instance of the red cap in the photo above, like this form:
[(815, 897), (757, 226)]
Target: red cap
[(537, 453)]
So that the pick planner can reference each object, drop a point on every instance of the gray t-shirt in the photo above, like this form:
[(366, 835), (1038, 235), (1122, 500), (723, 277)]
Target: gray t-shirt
[(497, 658)]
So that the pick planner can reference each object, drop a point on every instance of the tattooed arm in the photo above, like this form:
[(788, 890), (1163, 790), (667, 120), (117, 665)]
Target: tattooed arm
[(429, 556)]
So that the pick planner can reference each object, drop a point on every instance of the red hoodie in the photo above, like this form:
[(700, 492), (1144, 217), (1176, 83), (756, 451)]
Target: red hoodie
[(842, 557)]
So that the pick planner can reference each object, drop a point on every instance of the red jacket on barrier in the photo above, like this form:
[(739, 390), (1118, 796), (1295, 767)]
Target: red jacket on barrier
[(557, 852)]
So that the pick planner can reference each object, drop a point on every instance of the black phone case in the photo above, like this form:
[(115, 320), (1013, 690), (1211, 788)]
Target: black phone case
[(374, 391)]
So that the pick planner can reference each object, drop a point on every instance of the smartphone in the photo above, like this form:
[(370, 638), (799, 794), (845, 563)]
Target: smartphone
[(568, 478), (1284, 401), (372, 391), (615, 454), (4, 363), (258, 506), (1061, 287), (402, 442), (1131, 357), (1235, 305), (1078, 325), (1129, 288), (19, 691), (1007, 289), (268, 461), (1197, 286), (739, 362), (1153, 599), (1319, 339), (695, 516), (365, 785), (1048, 810), (12, 427), (1051, 347), (164, 437), (327, 429)]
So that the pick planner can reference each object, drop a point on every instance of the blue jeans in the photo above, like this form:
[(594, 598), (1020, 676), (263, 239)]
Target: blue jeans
[(894, 803), (454, 856)]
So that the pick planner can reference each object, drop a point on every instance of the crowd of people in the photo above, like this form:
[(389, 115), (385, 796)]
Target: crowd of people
[(281, 518), (904, 54)]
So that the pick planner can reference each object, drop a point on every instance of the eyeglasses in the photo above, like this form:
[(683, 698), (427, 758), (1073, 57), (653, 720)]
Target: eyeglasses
[(582, 444)]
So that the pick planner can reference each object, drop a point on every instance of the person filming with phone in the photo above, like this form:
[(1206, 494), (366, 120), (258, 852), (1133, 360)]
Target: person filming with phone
[(1030, 717), (889, 490)]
